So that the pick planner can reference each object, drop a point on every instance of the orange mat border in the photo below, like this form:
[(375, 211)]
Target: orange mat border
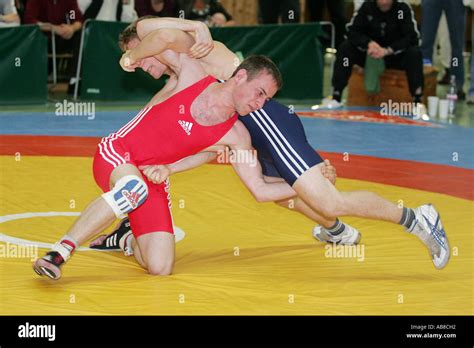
[(439, 178)]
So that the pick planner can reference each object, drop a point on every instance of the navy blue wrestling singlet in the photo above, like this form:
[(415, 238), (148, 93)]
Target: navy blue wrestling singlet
[(279, 138)]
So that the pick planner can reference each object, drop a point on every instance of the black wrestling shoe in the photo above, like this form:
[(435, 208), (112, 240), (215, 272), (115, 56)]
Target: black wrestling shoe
[(49, 265), (115, 240)]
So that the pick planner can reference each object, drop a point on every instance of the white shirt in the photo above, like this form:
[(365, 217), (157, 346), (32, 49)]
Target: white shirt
[(7, 7), (469, 3)]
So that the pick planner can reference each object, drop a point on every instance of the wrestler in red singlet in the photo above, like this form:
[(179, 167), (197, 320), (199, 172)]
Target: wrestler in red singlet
[(159, 134)]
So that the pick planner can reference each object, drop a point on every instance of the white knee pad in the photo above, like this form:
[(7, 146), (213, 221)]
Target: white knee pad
[(127, 195)]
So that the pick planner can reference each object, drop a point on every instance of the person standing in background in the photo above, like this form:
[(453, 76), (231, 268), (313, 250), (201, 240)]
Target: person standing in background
[(456, 16), (271, 11), (337, 11), (444, 44), (470, 94)]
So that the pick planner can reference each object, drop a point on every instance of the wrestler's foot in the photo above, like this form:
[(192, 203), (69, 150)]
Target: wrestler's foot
[(120, 239), (427, 226), (49, 265), (350, 236)]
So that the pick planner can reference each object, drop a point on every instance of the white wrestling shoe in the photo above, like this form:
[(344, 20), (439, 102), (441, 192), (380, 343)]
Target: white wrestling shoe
[(427, 226), (328, 103), (350, 236)]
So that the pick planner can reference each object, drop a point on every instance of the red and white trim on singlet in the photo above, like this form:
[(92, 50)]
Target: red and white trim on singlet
[(167, 190), (106, 147)]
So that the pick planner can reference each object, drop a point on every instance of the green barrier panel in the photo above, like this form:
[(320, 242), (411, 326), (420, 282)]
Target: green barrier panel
[(295, 48), (102, 76), (23, 65)]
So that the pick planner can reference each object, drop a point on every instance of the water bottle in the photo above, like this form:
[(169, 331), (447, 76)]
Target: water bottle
[(452, 96)]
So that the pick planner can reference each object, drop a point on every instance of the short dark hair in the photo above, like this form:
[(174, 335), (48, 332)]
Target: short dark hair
[(130, 33), (254, 65)]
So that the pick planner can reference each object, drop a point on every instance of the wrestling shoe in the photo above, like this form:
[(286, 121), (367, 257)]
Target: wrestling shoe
[(350, 236), (49, 265), (427, 226), (117, 240)]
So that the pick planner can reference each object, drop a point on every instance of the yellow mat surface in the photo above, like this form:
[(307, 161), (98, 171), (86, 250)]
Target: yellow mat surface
[(237, 256)]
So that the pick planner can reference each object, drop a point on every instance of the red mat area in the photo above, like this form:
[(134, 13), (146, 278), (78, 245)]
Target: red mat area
[(450, 180)]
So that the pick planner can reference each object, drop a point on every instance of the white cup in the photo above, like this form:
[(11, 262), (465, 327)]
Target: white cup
[(443, 108), (433, 106)]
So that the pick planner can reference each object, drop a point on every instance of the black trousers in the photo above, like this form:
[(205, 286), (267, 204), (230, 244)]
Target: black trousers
[(271, 10), (411, 61), (337, 11)]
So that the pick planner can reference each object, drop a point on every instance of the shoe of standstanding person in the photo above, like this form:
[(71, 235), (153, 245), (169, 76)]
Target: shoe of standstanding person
[(428, 227), (350, 236), (420, 112), (328, 103), (470, 99)]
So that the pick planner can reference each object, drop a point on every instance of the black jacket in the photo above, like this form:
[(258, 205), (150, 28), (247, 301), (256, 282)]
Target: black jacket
[(93, 10), (396, 28), (212, 7)]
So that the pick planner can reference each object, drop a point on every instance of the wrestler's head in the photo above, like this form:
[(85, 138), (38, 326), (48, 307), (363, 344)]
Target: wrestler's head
[(129, 39), (256, 79)]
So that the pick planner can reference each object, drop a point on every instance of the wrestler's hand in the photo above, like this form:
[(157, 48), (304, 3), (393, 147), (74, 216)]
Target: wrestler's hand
[(127, 62), (156, 173), (204, 43), (329, 172)]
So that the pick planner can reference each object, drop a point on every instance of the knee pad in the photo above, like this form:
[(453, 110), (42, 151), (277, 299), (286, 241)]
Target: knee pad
[(127, 195)]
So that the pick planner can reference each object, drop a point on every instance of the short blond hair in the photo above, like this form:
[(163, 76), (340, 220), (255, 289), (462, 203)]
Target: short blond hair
[(130, 33)]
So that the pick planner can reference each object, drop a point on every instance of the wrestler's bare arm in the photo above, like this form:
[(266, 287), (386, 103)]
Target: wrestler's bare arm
[(250, 170), (220, 62), (204, 43), (158, 41)]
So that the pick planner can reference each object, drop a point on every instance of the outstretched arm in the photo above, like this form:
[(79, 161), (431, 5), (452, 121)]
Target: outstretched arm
[(249, 169), (159, 173), (192, 162)]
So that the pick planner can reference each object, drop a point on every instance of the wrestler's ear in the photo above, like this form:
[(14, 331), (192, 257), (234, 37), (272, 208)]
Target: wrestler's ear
[(241, 76)]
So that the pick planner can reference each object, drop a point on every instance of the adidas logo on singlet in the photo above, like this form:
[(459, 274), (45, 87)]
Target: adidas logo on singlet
[(186, 126)]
